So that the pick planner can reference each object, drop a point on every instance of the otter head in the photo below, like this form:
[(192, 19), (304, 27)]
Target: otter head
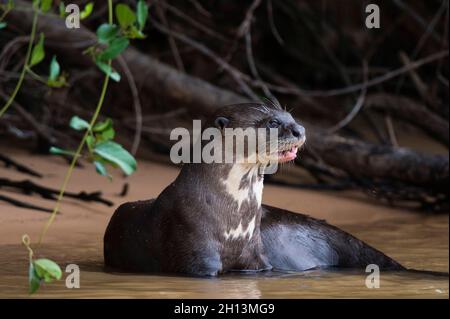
[(270, 123)]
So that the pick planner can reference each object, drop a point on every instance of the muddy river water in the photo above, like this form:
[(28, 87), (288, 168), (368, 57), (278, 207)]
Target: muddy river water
[(417, 240)]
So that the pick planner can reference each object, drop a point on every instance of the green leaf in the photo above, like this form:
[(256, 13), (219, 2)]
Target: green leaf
[(55, 69), (108, 134), (116, 47), (100, 168), (102, 126), (78, 123), (107, 32), (38, 53), (58, 151), (108, 70), (58, 83), (125, 16), (46, 5), (115, 153), (47, 269), (3, 25), (105, 130), (88, 8), (142, 14), (90, 142), (10, 4), (62, 9), (33, 279), (134, 33), (36, 4)]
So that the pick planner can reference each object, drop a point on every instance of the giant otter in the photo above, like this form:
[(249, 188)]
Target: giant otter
[(210, 220)]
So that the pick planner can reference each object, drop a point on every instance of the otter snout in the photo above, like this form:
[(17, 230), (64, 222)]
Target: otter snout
[(298, 131), (291, 137), (293, 131)]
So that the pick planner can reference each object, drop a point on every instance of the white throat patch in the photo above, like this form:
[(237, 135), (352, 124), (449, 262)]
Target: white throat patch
[(239, 231), (233, 182)]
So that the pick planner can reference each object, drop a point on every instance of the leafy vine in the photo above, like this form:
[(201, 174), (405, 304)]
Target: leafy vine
[(97, 144)]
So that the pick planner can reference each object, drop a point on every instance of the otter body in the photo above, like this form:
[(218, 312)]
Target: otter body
[(211, 220), (183, 230)]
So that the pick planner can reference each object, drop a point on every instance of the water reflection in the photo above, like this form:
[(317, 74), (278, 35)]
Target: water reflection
[(417, 244)]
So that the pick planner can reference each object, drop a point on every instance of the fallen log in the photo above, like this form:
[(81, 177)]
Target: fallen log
[(359, 159), (412, 112), (29, 188), (22, 204), (364, 159), (9, 162)]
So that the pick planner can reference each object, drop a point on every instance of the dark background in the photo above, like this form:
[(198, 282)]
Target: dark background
[(375, 101)]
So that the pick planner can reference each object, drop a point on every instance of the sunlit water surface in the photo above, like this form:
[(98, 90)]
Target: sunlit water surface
[(420, 244)]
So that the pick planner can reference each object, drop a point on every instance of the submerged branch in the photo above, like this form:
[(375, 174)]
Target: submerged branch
[(29, 188)]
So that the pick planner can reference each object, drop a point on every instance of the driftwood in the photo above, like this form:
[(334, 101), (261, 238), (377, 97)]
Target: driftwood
[(411, 111), (23, 204), (9, 162), (29, 188), (350, 161)]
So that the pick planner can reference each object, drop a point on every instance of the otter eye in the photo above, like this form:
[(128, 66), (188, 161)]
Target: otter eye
[(274, 123), (221, 122)]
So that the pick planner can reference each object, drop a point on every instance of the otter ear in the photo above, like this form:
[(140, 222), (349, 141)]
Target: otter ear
[(221, 122)]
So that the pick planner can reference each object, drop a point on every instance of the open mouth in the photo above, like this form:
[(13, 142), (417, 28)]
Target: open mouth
[(288, 154), (288, 151)]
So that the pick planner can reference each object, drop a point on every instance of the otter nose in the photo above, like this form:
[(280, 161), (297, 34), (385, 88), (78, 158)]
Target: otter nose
[(298, 131)]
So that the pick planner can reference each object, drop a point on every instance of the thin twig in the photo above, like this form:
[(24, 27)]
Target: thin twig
[(158, 117), (252, 65), (423, 39), (242, 30), (355, 110), (245, 25), (94, 117), (378, 132), (71, 44), (172, 43), (136, 104), (421, 87), (328, 51), (8, 49), (401, 4), (359, 86), (27, 117), (156, 130), (194, 23), (391, 130), (235, 74), (200, 8), (443, 80), (242, 78), (24, 68), (125, 189), (430, 28), (273, 27)]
